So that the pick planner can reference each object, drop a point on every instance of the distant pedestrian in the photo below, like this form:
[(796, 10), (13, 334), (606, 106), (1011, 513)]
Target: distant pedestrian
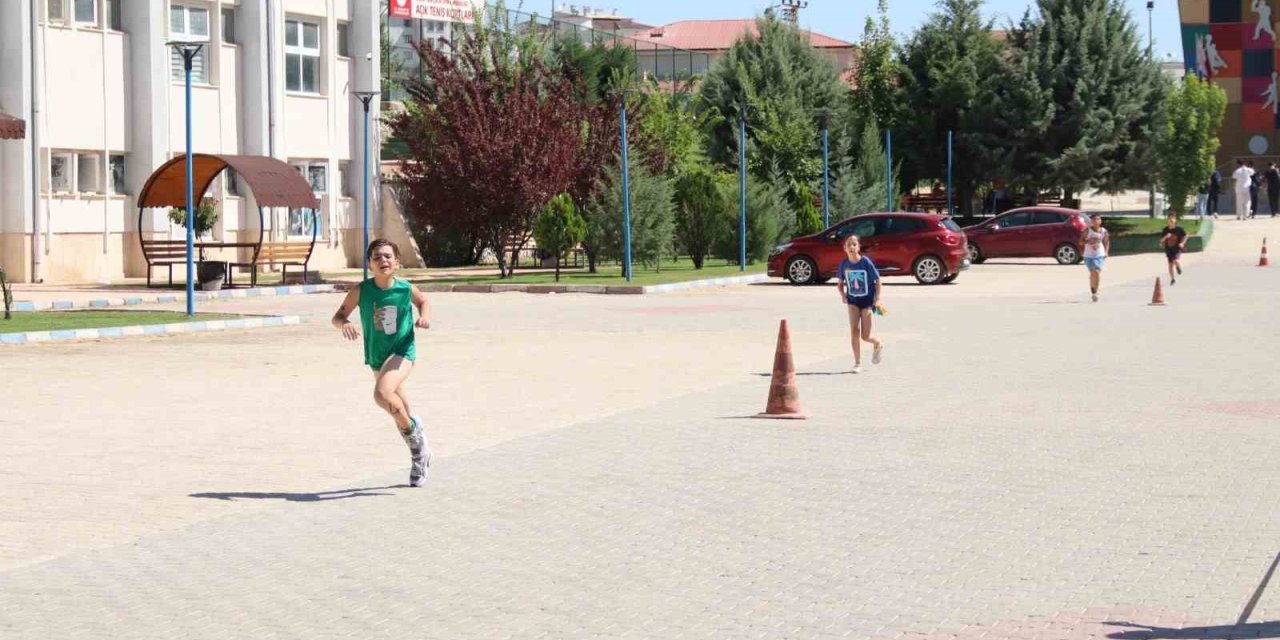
[(386, 305), (1174, 239), (1255, 180), (1202, 195), (1095, 244), (1214, 190), (1272, 179), (1243, 177), (859, 286)]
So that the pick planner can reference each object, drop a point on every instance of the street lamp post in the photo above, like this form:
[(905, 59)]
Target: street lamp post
[(888, 167), (626, 197), (189, 51), (742, 187), (823, 120), (365, 97), (1151, 194), (950, 210)]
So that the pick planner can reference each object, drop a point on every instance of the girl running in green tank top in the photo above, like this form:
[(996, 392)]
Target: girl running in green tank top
[(386, 306)]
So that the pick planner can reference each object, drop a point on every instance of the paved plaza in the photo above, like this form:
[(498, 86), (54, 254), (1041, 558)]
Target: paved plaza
[(1024, 464)]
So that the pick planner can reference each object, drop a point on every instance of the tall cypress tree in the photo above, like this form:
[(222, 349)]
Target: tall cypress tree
[(948, 75), (1105, 91), (786, 82)]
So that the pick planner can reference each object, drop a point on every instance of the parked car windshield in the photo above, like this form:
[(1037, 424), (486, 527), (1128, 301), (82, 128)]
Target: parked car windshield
[(949, 224)]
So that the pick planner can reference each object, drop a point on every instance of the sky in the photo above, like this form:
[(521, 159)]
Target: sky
[(844, 19)]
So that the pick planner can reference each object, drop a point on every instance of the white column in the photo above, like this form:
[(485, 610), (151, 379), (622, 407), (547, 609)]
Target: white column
[(16, 196), (147, 24)]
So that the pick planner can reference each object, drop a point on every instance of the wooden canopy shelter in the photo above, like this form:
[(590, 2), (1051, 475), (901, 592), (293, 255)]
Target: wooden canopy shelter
[(273, 183)]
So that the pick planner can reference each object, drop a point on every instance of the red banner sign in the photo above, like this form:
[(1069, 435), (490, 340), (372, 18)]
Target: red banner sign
[(440, 10), (401, 9)]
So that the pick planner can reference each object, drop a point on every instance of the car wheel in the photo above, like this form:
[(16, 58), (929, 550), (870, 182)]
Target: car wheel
[(975, 254), (929, 270), (1066, 253), (801, 270), (951, 278)]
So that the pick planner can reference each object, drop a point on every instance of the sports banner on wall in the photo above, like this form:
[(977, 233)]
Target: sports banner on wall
[(441, 10)]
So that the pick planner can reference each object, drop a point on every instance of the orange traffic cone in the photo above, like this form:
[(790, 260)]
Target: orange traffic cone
[(1262, 261), (784, 397), (1157, 296)]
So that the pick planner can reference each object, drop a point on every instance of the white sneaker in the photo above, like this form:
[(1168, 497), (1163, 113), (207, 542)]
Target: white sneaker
[(419, 452), (857, 368), (875, 354), (1095, 297)]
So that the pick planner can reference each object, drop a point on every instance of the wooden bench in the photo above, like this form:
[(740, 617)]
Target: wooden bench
[(164, 253), (285, 254), (930, 202)]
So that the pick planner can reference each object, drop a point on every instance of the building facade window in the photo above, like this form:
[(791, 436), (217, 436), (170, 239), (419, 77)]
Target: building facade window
[(344, 39), (344, 179), (192, 24), (87, 173), (86, 11), (56, 11), (228, 25), (302, 56), (115, 19), (302, 221), (60, 168), (230, 182), (115, 170)]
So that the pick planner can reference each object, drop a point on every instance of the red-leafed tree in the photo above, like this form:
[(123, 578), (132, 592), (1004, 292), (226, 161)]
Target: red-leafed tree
[(493, 134)]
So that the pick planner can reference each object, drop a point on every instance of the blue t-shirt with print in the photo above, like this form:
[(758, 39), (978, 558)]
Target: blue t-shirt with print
[(859, 279)]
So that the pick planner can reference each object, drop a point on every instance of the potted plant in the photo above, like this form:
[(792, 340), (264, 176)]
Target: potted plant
[(209, 273)]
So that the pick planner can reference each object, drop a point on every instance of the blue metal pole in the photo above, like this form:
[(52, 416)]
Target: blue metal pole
[(626, 198), (826, 182), (364, 263), (742, 191), (950, 211), (888, 165), (191, 286)]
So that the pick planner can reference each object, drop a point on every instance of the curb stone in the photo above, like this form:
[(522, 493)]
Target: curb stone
[(260, 322), (622, 289), (202, 296)]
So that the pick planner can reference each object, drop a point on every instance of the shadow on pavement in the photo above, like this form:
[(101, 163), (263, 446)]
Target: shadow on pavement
[(318, 496), (1222, 632), (810, 373)]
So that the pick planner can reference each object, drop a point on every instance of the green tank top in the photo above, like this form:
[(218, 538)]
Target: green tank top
[(386, 316)]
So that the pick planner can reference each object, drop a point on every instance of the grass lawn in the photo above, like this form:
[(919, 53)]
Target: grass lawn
[(63, 320), (1131, 226), (680, 270)]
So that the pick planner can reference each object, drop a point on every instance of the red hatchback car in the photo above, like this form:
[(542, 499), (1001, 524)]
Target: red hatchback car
[(927, 246), (1030, 232)]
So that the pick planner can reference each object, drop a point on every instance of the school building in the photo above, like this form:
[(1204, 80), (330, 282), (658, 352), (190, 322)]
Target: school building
[(95, 102)]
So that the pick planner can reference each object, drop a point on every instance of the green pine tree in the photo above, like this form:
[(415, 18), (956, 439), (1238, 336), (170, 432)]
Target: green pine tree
[(946, 78), (1106, 94), (786, 83), (652, 216), (860, 183)]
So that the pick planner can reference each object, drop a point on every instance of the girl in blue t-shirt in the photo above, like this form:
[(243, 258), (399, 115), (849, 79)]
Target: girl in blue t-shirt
[(859, 285)]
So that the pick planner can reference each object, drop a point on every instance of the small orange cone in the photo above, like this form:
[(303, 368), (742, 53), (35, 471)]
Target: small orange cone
[(784, 397), (1157, 296), (1262, 261)]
